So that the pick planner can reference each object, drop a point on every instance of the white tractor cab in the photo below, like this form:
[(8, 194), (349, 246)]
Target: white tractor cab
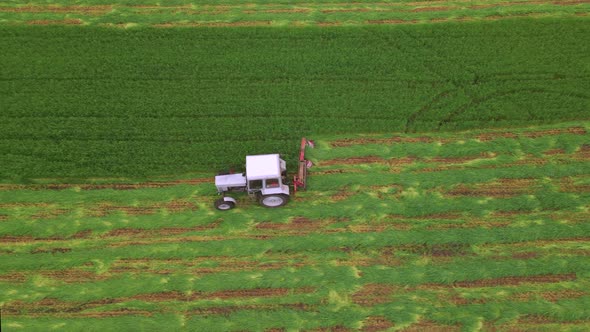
[(265, 179)]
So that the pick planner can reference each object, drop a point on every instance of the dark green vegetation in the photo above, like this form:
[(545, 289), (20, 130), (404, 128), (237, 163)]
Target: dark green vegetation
[(100, 102), (480, 230)]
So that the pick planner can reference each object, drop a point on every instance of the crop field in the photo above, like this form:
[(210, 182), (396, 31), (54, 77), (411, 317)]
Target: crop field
[(450, 187), (481, 229), (86, 102)]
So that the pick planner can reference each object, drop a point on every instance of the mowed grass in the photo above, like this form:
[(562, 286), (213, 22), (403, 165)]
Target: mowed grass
[(455, 231), (104, 102)]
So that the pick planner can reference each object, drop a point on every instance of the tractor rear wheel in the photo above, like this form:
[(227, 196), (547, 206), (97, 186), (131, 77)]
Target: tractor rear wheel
[(224, 205), (272, 201)]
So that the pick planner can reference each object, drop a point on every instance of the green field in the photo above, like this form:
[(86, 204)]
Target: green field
[(103, 102), (450, 189), (439, 232)]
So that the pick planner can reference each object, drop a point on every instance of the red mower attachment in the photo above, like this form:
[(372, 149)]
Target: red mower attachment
[(300, 180)]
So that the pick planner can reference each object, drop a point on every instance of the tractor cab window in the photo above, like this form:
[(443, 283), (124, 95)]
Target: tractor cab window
[(272, 183), (255, 184)]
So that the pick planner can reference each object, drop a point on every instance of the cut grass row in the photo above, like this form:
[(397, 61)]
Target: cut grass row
[(98, 102), (406, 253)]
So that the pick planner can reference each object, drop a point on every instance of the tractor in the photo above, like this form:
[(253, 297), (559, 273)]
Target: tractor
[(265, 180)]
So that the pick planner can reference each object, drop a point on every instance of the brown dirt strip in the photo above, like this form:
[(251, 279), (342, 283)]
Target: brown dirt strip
[(384, 141), (175, 206), (336, 328), (436, 216), (581, 155), (279, 11), (298, 226), (551, 296), (353, 161), (396, 21), (50, 250), (55, 22), (435, 250), (470, 224), (50, 306), (430, 326), (515, 281), (553, 132), (223, 295), (104, 209), (402, 161), (486, 137), (156, 234), (503, 188), (159, 232), (536, 319), (381, 227), (376, 323), (553, 152), (568, 185), (74, 275), (222, 264), (373, 294), (115, 186), (13, 277), (214, 24), (86, 10), (50, 214)]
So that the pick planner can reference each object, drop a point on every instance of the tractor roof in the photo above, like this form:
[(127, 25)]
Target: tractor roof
[(263, 166)]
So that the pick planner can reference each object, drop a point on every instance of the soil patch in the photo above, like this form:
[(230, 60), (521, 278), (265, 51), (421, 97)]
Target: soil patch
[(434, 216), (13, 277), (470, 224), (345, 10), (214, 24), (430, 326), (436, 250), (515, 281), (552, 132), (86, 10), (73, 275), (391, 22), (353, 161), (373, 294), (224, 295), (288, 11), (502, 188), (50, 250), (554, 152), (174, 206), (493, 136), (376, 323), (298, 225), (58, 22), (568, 185), (50, 214), (433, 9), (227, 310)]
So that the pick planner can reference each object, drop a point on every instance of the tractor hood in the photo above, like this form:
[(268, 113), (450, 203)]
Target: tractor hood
[(224, 182)]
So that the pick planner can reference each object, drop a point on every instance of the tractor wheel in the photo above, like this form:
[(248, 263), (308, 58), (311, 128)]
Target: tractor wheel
[(272, 201), (224, 205)]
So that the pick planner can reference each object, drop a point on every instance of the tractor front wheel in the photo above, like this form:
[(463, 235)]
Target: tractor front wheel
[(224, 205), (272, 201)]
